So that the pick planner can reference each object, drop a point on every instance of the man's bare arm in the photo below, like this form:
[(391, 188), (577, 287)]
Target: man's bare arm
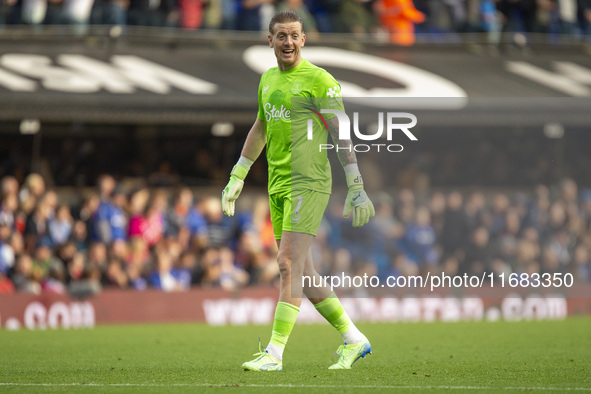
[(253, 146), (345, 151), (255, 141)]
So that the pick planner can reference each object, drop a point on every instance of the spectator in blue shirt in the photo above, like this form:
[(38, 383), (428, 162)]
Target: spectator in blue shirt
[(420, 240), (109, 221)]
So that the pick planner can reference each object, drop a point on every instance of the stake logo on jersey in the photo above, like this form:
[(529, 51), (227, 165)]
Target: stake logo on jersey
[(274, 113), (276, 109)]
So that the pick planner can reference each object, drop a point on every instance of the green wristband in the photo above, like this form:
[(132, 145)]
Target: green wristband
[(354, 180), (239, 171)]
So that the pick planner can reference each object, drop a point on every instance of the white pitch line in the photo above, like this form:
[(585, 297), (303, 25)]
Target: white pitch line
[(293, 386)]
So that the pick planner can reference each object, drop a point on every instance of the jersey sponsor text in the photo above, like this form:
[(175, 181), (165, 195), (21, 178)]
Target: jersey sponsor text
[(274, 113)]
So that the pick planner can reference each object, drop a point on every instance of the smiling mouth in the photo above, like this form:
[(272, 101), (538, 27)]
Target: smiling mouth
[(287, 51)]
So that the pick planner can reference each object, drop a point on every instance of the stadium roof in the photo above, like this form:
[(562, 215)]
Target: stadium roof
[(211, 77)]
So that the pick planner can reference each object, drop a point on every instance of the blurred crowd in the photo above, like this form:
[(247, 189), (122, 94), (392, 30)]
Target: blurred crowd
[(459, 233), (123, 235), (394, 18), (133, 239)]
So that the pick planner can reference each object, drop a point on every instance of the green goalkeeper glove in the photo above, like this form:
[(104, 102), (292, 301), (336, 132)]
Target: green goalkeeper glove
[(233, 188), (358, 201)]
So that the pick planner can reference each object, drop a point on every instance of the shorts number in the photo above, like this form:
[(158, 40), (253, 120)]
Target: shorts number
[(298, 206)]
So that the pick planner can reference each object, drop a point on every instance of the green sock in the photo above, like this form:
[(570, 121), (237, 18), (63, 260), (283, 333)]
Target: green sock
[(285, 318), (332, 310)]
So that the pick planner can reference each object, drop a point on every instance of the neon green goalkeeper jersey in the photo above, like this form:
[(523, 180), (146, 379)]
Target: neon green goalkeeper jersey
[(311, 169)]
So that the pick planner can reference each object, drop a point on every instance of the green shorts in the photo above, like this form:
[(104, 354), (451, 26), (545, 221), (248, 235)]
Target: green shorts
[(307, 211)]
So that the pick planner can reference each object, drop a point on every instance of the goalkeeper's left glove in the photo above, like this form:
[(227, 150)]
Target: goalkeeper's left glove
[(358, 201)]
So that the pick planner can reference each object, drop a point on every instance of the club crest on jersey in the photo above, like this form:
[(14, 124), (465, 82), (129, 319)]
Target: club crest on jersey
[(296, 87)]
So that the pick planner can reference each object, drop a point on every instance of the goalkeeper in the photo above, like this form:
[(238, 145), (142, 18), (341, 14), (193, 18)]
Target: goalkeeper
[(298, 200)]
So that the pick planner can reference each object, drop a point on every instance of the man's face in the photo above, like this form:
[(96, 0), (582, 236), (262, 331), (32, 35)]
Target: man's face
[(287, 40)]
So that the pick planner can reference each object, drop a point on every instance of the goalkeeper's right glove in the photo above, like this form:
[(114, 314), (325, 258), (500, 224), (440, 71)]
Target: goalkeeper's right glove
[(233, 188)]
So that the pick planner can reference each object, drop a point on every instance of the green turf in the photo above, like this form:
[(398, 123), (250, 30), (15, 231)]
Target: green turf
[(450, 357)]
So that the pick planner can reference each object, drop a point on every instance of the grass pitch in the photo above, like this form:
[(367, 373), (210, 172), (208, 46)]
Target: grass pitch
[(426, 357)]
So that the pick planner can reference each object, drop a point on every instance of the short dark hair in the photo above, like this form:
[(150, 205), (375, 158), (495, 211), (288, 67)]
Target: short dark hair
[(284, 17)]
